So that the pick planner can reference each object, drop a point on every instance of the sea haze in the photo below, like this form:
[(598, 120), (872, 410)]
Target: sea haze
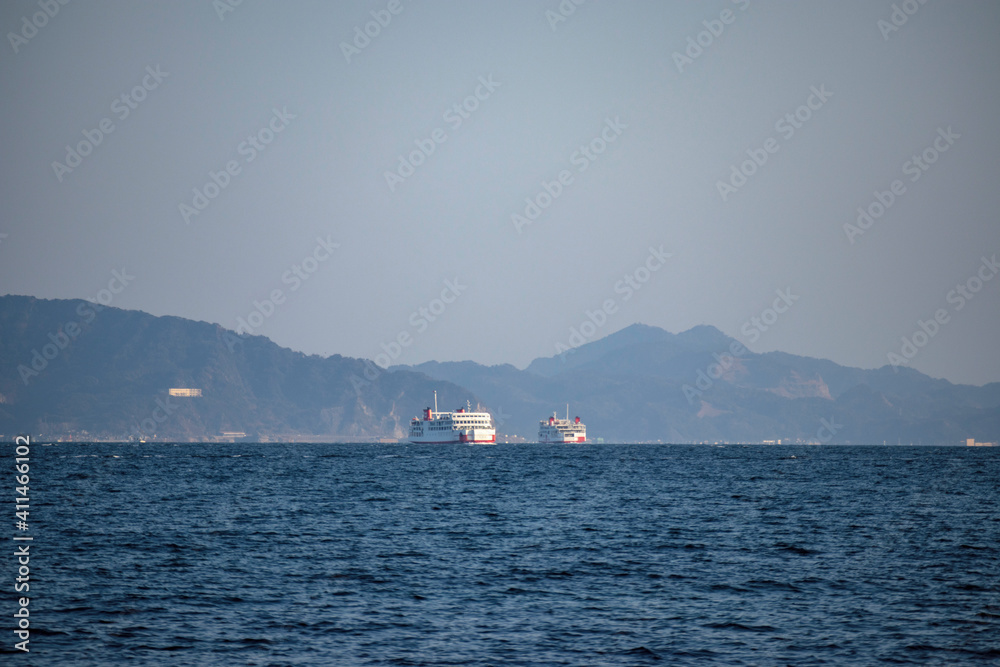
[(165, 554)]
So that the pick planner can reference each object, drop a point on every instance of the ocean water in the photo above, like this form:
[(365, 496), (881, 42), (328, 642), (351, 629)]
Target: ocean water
[(245, 554)]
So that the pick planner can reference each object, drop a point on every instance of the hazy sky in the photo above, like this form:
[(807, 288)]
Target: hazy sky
[(622, 122)]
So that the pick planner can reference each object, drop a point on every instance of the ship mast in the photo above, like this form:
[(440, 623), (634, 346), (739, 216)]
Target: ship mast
[(435, 401)]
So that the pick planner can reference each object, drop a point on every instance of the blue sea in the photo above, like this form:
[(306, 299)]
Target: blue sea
[(375, 554)]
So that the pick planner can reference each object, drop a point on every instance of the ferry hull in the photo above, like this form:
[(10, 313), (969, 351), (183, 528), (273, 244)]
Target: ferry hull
[(566, 440), (462, 439)]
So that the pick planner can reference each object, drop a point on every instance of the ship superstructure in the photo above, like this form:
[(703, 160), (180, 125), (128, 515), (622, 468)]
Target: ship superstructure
[(561, 430), (461, 426)]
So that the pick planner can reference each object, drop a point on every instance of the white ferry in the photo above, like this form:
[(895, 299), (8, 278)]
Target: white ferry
[(461, 426), (561, 430)]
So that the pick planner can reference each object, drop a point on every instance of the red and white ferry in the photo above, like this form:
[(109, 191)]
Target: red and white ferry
[(461, 426), (562, 430)]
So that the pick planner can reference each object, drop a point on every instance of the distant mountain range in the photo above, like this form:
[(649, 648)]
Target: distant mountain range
[(69, 368), (646, 384), (111, 380)]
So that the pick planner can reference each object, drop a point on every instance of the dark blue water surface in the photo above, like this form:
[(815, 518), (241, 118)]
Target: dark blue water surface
[(241, 554)]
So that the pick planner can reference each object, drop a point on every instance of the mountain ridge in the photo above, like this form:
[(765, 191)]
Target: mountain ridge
[(706, 386), (111, 380), (73, 368)]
